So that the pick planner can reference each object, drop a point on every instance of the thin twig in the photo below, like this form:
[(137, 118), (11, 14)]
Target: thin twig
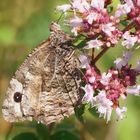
[(59, 18), (93, 50), (100, 54), (128, 27), (97, 69)]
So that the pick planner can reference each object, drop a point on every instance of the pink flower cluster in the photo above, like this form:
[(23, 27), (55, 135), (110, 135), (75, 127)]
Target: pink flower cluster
[(103, 91), (103, 29), (91, 17)]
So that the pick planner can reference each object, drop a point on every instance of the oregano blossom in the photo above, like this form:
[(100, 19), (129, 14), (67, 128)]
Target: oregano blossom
[(99, 27)]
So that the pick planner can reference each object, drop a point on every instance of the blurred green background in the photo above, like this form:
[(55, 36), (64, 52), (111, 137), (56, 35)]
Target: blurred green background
[(23, 25)]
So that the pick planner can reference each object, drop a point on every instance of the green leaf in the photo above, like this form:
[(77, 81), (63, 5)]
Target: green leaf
[(124, 22), (80, 41), (79, 111), (42, 132), (79, 38), (26, 136), (110, 9), (64, 135), (65, 125), (81, 44)]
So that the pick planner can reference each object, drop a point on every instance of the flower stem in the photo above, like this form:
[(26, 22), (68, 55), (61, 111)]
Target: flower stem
[(128, 27), (100, 54), (93, 50)]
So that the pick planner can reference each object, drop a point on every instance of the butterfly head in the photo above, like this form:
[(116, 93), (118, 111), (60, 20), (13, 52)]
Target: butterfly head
[(12, 106), (57, 32)]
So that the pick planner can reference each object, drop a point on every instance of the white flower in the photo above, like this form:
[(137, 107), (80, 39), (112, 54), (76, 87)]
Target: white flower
[(92, 17), (130, 3), (108, 28), (105, 78), (89, 71), (92, 79), (75, 31), (120, 62), (120, 112), (76, 21), (81, 5), (129, 40), (127, 55), (98, 4), (122, 9), (88, 97), (93, 44), (135, 90), (64, 8), (103, 105), (84, 61)]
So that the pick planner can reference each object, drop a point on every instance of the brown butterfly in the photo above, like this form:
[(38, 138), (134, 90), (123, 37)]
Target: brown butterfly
[(46, 86)]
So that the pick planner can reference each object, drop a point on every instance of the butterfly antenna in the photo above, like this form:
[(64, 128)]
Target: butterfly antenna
[(60, 17)]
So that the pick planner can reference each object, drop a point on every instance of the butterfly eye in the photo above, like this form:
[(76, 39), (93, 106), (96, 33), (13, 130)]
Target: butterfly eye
[(17, 97)]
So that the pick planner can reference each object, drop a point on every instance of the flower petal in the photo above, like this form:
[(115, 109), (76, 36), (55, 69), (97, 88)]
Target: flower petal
[(93, 44)]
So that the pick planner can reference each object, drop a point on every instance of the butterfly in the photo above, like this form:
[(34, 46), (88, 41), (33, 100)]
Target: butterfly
[(45, 88)]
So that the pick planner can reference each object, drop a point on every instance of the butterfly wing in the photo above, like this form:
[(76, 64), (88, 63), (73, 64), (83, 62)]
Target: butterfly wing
[(46, 81), (60, 91)]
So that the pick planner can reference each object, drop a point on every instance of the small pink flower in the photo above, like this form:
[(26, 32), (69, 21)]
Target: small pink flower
[(76, 21), (103, 105), (98, 4), (94, 44), (105, 78), (84, 61), (115, 37), (108, 28), (128, 75), (92, 79), (129, 40), (92, 17), (64, 8), (135, 90), (130, 3), (127, 55), (122, 9), (89, 92), (120, 62), (81, 5), (120, 113)]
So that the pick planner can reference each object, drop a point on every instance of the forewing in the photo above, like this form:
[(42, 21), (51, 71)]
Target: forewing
[(50, 82), (60, 92)]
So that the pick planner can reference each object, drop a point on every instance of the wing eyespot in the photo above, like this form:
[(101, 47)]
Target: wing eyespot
[(17, 97)]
